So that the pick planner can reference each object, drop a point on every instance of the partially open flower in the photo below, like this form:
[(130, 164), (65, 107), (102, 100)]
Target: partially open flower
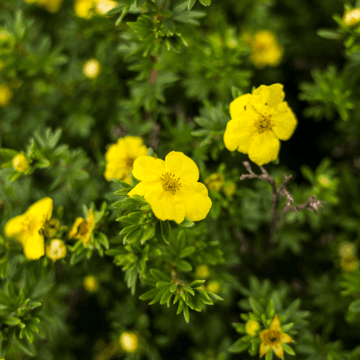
[(252, 327), (129, 341), (20, 163), (83, 228), (351, 17)]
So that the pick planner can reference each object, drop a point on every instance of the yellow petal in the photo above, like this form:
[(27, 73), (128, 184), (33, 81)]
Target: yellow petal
[(41, 210), (264, 349), (239, 133), (75, 228), (284, 122), (275, 323), (285, 338), (146, 168), (135, 146), (143, 188), (264, 148), (239, 105), (278, 350), (182, 166), (265, 98), (14, 226), (34, 247), (196, 200)]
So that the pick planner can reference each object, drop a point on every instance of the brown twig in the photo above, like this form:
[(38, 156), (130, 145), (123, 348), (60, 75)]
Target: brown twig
[(311, 204)]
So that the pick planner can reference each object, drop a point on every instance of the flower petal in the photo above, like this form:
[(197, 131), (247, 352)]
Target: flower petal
[(266, 98), (143, 188), (41, 211), (239, 105), (13, 227), (239, 133), (275, 323), (264, 349), (135, 146), (264, 148), (34, 246), (278, 350), (285, 338), (284, 121), (182, 166), (75, 228), (147, 168), (196, 200)]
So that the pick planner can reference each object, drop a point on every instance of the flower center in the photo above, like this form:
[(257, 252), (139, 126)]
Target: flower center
[(129, 161), (273, 336), (170, 183), (29, 225), (83, 228), (264, 123)]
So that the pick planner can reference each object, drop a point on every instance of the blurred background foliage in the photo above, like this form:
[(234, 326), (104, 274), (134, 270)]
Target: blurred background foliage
[(74, 80)]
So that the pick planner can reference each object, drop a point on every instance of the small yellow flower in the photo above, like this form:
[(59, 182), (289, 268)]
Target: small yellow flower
[(129, 341), (258, 121), (85, 8), (346, 248), (324, 181), (351, 17), (229, 188), (252, 327), (265, 49), (349, 263), (171, 187), (91, 284), (202, 272), (56, 250), (91, 69), (52, 6), (20, 163), (5, 95), (273, 339), (215, 181), (103, 6), (82, 228), (27, 228), (213, 286), (120, 157)]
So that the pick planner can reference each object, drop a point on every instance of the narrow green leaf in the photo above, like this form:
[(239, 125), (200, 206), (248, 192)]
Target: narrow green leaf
[(149, 294), (191, 4), (239, 346), (166, 231), (288, 349), (158, 275), (186, 314)]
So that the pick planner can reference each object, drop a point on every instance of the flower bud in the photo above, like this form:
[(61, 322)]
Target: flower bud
[(91, 68), (129, 341), (20, 163), (252, 327), (91, 284), (351, 17), (56, 250)]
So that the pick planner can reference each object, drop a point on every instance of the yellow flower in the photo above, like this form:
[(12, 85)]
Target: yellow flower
[(258, 121), (351, 17), (91, 69), (213, 286), (103, 6), (202, 272), (91, 284), (171, 187), (26, 228), (85, 8), (5, 95), (20, 163), (349, 263), (252, 327), (120, 157), (215, 181), (346, 248), (273, 339), (82, 228), (129, 341), (52, 6), (56, 250), (265, 49), (229, 189)]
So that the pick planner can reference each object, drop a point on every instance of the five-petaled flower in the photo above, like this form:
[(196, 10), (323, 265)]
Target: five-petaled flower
[(171, 187), (27, 228), (258, 121), (120, 157), (83, 228), (273, 339)]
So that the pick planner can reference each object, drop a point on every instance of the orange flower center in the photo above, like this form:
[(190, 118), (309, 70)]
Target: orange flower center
[(129, 162), (83, 228), (170, 183), (264, 123), (271, 337)]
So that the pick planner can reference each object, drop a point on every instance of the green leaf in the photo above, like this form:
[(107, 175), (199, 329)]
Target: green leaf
[(255, 306), (149, 294), (186, 314), (187, 223), (186, 251), (355, 306), (205, 2), (11, 321), (191, 4), (288, 349), (166, 231), (166, 297), (269, 355), (148, 232), (197, 283), (158, 275), (328, 34), (239, 346), (183, 265)]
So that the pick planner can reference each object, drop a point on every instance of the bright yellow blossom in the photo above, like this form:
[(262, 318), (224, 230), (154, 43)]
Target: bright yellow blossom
[(5, 95), (91, 284), (213, 286), (20, 163), (202, 272), (215, 181), (82, 228), (171, 187), (251, 327), (265, 49), (91, 69), (85, 8), (258, 121), (120, 157), (103, 6), (26, 228), (273, 339), (351, 17), (129, 341), (349, 263), (56, 249)]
